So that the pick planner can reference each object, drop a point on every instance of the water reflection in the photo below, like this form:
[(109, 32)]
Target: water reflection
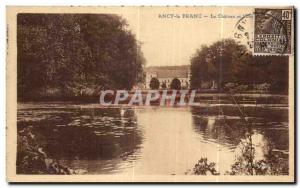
[(151, 140), (81, 137), (270, 132)]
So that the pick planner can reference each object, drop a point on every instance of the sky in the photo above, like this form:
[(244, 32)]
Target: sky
[(174, 40)]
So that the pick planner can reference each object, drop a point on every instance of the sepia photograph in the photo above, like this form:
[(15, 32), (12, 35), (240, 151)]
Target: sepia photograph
[(150, 94)]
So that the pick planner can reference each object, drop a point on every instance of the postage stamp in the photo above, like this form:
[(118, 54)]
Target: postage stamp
[(272, 32)]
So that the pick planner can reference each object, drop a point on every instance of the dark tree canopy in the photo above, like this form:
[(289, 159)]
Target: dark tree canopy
[(154, 83), (68, 52), (229, 62), (175, 84)]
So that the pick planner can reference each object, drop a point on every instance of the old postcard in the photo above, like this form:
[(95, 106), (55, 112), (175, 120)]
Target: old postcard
[(150, 94)]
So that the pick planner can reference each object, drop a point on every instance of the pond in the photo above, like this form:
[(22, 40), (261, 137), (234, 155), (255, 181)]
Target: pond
[(152, 140)]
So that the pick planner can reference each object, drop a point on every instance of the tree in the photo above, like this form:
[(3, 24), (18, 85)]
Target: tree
[(154, 83), (175, 84), (226, 61), (68, 52), (217, 62)]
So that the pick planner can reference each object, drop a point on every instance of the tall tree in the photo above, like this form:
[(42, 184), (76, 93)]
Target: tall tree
[(73, 51), (226, 61)]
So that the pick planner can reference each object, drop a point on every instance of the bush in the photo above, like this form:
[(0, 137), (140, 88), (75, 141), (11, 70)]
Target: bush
[(32, 159), (154, 83), (205, 168), (175, 84)]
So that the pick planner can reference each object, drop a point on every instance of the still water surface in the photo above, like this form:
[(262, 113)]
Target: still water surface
[(152, 140)]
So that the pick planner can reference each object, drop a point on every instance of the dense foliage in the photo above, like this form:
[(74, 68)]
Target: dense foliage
[(32, 158), (65, 54), (205, 168), (154, 83), (229, 62), (175, 84)]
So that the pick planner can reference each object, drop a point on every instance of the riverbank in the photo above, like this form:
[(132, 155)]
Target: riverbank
[(245, 98), (33, 159)]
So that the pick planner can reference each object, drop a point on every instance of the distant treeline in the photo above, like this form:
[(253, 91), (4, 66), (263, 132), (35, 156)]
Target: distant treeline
[(230, 64), (69, 54)]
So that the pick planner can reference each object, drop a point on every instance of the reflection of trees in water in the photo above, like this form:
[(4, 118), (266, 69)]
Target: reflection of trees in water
[(230, 130), (90, 134), (214, 127), (252, 137), (260, 144), (224, 125), (277, 134)]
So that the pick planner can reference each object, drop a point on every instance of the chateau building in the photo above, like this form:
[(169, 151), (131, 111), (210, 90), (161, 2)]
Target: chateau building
[(166, 74)]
